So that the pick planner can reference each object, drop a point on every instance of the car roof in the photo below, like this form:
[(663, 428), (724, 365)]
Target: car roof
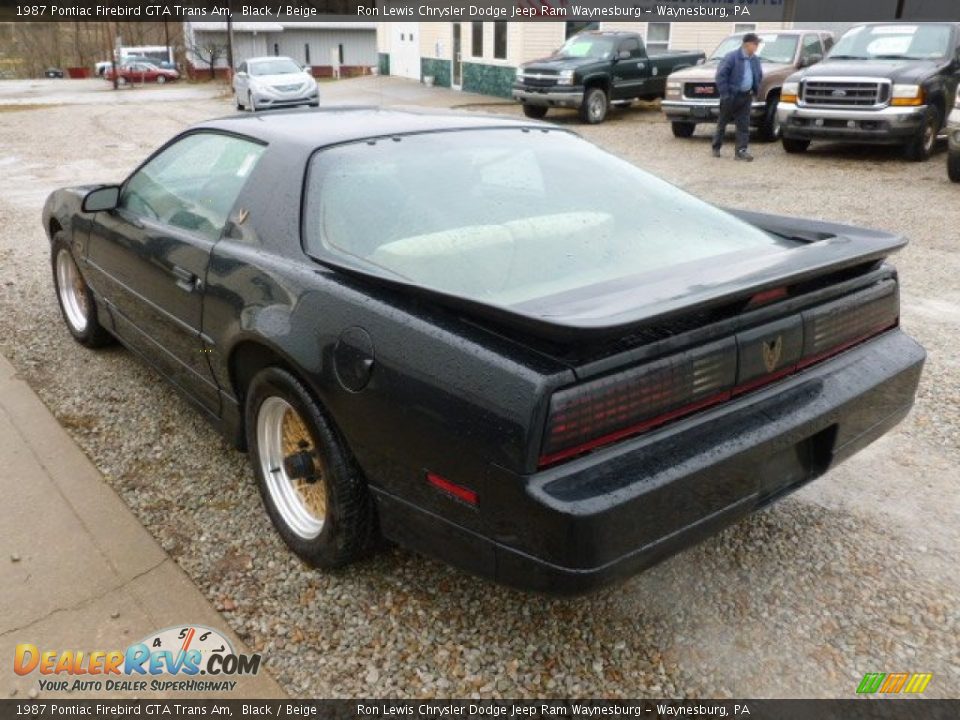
[(264, 58), (315, 128)]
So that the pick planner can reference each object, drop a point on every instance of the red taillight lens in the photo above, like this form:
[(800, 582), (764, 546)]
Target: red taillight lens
[(599, 412), (604, 410)]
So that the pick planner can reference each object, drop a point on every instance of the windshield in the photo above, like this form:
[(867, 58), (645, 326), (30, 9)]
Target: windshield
[(773, 48), (893, 42), (507, 216), (591, 46), (279, 66)]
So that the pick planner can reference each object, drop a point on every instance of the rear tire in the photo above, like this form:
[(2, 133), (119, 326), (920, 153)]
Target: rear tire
[(76, 300), (312, 489), (595, 106), (537, 112), (794, 146), (920, 148), (953, 166), (683, 129)]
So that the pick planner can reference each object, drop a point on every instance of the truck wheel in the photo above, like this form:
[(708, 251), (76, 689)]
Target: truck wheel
[(920, 148), (953, 165), (683, 129), (792, 145), (770, 127), (534, 111), (595, 106)]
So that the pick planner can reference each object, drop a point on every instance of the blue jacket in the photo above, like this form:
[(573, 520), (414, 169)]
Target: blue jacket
[(730, 73)]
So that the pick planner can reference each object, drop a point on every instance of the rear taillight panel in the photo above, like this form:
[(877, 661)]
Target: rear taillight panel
[(625, 401), (599, 412)]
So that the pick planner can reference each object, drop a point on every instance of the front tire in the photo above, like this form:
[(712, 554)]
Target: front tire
[(794, 146), (595, 106), (312, 489), (953, 165), (920, 148), (77, 304), (770, 127), (683, 129), (537, 112)]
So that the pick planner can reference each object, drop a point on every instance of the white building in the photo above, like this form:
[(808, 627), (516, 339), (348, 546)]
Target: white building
[(482, 56), (349, 46)]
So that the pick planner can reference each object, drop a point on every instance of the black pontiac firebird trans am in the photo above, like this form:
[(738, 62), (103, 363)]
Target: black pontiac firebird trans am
[(485, 338)]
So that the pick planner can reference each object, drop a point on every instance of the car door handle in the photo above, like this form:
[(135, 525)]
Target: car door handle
[(186, 280)]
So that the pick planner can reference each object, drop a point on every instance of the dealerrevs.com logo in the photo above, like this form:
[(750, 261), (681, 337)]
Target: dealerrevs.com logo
[(173, 659)]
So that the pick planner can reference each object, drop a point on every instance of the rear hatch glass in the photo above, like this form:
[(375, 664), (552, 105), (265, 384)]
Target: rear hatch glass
[(510, 216)]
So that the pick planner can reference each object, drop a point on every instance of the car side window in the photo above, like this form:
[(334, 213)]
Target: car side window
[(632, 46), (243, 67), (811, 46), (194, 183), (827, 43)]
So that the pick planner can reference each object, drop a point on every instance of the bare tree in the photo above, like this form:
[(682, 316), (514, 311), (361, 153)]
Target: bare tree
[(208, 50)]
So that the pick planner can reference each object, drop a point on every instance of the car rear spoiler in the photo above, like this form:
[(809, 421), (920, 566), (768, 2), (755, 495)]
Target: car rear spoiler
[(614, 308)]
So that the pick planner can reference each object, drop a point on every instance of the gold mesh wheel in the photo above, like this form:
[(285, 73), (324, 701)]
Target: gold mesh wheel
[(293, 467)]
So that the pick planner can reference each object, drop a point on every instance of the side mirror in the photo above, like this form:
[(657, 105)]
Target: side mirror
[(103, 198)]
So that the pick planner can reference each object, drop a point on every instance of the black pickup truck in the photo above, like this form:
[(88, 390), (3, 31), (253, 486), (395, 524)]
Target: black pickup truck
[(594, 69), (891, 83)]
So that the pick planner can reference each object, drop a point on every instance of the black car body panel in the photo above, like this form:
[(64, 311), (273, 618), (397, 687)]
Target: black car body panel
[(418, 381)]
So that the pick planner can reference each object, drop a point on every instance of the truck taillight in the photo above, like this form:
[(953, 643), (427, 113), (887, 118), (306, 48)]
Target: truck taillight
[(599, 412)]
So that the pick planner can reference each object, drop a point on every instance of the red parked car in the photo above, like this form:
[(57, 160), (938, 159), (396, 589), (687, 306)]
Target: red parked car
[(140, 72)]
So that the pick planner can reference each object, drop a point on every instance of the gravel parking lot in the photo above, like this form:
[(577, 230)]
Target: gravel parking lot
[(856, 573)]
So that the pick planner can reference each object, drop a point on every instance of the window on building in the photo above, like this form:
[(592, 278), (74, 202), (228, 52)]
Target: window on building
[(306, 52), (658, 37), (477, 39), (740, 28), (577, 27), (500, 40)]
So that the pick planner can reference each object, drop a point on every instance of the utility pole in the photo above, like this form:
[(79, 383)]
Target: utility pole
[(229, 41), (114, 55)]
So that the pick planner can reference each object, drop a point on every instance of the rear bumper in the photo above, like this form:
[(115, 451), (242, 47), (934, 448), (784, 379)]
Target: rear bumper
[(889, 125), (567, 96), (705, 110), (605, 516)]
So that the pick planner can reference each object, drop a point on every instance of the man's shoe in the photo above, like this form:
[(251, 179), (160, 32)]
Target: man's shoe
[(744, 155), (716, 152)]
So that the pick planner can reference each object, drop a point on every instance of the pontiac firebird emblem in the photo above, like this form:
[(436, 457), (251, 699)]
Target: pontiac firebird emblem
[(771, 352)]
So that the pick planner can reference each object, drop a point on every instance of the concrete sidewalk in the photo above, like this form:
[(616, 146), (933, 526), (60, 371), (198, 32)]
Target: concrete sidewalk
[(77, 570)]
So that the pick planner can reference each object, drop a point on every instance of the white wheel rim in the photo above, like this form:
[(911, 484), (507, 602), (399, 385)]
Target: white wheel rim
[(302, 505), (72, 291), (161, 79)]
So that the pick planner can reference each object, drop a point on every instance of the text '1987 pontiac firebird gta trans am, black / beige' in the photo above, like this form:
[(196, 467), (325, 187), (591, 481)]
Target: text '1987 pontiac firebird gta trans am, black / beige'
[(486, 338)]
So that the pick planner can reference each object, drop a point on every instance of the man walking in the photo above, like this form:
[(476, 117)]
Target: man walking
[(738, 80)]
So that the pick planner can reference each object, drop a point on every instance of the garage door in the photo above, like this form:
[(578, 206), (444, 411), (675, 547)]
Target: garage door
[(405, 50)]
